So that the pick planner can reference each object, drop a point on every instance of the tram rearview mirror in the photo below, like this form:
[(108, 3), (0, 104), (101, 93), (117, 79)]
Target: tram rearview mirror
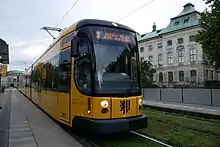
[(74, 48)]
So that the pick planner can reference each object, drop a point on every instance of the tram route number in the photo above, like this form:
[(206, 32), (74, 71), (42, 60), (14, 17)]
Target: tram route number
[(125, 106)]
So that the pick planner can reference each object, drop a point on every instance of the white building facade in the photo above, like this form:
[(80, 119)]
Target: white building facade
[(13, 77), (174, 52)]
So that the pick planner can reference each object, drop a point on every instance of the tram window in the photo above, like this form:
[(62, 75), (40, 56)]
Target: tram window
[(34, 77), (55, 66), (49, 75), (83, 67), (64, 77), (55, 77), (64, 72)]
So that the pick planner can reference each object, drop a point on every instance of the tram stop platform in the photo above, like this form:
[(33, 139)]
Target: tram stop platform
[(22, 124)]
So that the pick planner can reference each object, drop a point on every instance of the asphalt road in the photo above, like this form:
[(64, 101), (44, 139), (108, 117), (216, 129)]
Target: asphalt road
[(5, 102)]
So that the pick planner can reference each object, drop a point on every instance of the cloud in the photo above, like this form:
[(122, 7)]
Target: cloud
[(21, 21), (20, 64), (20, 44), (24, 53)]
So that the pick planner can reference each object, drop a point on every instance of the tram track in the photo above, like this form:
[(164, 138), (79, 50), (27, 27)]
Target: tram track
[(91, 141), (150, 138), (83, 139)]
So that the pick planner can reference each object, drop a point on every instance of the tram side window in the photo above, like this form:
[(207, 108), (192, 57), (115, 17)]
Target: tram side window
[(35, 78), (64, 72), (49, 74), (42, 80), (55, 77), (83, 67), (26, 83), (55, 63), (38, 79)]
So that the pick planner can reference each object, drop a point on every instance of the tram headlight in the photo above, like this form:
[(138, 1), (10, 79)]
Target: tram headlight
[(140, 101), (104, 104)]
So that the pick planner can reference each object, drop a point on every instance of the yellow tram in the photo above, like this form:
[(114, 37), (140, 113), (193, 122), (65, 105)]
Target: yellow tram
[(89, 78)]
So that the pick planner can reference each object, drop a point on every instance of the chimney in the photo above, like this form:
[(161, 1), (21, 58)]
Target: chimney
[(154, 27)]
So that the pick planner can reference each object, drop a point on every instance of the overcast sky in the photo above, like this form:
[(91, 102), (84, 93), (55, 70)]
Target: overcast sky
[(20, 21)]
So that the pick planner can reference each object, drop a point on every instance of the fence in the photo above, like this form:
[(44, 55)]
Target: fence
[(190, 96)]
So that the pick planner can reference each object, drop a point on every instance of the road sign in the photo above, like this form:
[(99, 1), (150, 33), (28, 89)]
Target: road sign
[(4, 70)]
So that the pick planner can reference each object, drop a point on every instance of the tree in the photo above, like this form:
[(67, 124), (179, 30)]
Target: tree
[(147, 72), (209, 35)]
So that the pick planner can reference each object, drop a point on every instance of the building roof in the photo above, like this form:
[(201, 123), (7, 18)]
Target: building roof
[(187, 9), (149, 35), (189, 17), (14, 72)]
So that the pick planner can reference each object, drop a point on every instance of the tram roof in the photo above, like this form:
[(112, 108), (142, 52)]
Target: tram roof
[(87, 22), (82, 23)]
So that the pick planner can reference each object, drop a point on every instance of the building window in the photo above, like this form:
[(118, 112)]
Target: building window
[(150, 47), (192, 55), (170, 76), (160, 60), (17, 79), (181, 56), (212, 75), (141, 49), (150, 58), (192, 38), (186, 20), (193, 75), (180, 40), (181, 76), (161, 77), (177, 22), (142, 59), (206, 75), (169, 42), (169, 58), (159, 45)]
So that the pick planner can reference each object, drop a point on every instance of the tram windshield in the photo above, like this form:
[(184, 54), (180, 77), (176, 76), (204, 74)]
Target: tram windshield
[(116, 58)]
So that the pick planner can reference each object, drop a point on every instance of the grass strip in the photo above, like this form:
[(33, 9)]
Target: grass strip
[(179, 137), (181, 114), (200, 125)]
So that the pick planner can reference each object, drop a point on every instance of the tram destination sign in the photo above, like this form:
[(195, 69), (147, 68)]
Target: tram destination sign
[(111, 36)]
